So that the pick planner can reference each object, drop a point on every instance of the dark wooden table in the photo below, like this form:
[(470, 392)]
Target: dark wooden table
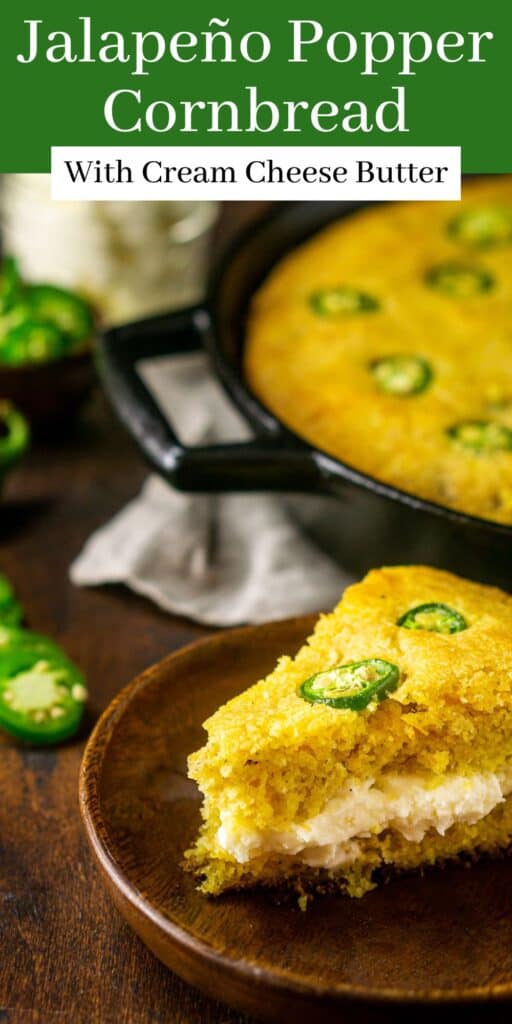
[(65, 953)]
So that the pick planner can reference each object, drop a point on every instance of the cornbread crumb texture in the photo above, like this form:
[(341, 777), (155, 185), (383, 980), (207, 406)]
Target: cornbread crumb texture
[(272, 758), (313, 371)]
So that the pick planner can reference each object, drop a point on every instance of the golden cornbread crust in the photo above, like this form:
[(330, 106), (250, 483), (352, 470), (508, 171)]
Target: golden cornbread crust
[(313, 371), (273, 758)]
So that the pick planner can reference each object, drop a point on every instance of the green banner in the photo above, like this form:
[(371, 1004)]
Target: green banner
[(291, 73)]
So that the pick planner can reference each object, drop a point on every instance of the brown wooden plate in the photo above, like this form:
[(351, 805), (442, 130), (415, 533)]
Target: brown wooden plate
[(410, 946)]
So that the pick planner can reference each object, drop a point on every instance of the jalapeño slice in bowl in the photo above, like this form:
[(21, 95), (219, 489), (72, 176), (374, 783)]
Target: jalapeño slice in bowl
[(460, 280), (351, 686), (14, 435), (481, 435), (32, 341), (64, 309), (483, 226), (434, 617), (342, 301), (41, 698), (401, 375), (12, 318), (11, 286)]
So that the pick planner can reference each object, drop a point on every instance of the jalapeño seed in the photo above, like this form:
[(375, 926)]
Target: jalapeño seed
[(402, 375), (351, 686), (483, 226), (433, 617), (342, 301), (459, 280), (481, 436)]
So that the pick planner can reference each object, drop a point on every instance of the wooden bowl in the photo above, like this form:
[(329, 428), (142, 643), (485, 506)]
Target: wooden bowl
[(49, 393), (416, 945)]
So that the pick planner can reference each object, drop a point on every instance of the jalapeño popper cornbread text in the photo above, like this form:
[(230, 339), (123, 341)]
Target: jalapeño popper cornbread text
[(130, 109)]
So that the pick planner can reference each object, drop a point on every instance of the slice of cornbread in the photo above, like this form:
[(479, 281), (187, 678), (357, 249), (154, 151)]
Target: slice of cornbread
[(414, 767)]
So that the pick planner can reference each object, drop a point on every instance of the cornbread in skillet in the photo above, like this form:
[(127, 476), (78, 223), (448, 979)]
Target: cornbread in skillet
[(308, 794), (386, 341)]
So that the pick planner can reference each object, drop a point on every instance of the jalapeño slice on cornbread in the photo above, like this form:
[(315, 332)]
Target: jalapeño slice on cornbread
[(384, 745)]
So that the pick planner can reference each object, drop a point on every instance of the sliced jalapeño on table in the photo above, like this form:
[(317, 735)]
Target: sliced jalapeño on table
[(42, 695), (459, 280), (481, 436), (11, 612), (435, 617), (352, 686), (341, 301), (401, 375), (14, 435), (14, 636)]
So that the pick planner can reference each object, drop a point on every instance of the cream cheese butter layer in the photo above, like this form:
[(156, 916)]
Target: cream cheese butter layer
[(409, 804)]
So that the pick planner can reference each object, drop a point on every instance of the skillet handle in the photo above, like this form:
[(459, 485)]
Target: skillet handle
[(262, 464)]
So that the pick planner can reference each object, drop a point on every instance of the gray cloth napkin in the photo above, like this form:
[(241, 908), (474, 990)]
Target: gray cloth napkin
[(221, 559)]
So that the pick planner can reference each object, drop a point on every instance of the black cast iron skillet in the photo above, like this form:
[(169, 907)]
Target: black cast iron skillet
[(360, 520)]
